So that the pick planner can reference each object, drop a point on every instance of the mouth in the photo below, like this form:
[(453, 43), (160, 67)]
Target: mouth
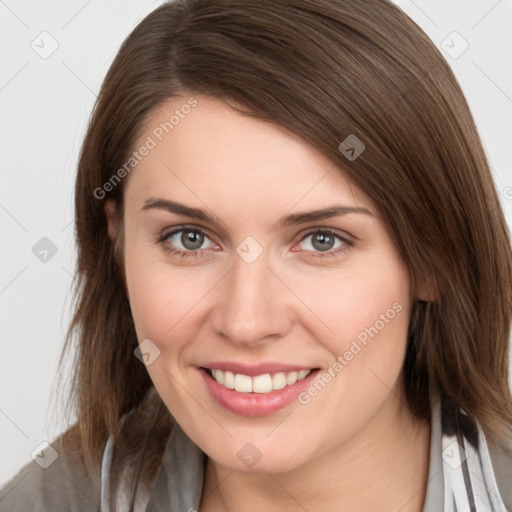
[(264, 383), (256, 395)]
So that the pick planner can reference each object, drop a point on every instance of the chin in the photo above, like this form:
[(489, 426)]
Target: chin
[(249, 459)]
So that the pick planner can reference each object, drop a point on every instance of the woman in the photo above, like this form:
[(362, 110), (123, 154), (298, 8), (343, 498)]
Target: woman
[(293, 274)]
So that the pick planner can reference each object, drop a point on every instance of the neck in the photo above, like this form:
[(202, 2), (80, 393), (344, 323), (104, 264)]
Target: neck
[(384, 467)]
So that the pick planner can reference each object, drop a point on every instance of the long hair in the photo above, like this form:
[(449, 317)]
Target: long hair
[(325, 70)]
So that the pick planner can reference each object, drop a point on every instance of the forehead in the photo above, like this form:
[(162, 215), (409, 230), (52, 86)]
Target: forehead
[(209, 152)]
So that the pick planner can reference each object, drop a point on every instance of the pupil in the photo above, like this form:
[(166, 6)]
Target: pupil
[(323, 238), (191, 239)]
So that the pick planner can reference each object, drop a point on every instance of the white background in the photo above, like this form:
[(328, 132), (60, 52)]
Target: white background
[(44, 108)]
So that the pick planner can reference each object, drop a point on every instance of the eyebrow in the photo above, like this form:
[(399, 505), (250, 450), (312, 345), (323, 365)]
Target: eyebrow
[(287, 220)]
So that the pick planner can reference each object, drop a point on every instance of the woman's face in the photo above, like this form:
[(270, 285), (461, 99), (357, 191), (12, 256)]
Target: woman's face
[(265, 290)]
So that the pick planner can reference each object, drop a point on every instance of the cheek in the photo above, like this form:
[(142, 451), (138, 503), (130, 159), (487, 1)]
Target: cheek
[(163, 298), (366, 306), (153, 309), (368, 309), (147, 297)]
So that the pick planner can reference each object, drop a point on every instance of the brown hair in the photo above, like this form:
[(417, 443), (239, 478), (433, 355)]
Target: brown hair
[(324, 69)]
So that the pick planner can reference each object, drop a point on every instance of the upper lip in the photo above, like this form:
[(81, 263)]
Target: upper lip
[(252, 370)]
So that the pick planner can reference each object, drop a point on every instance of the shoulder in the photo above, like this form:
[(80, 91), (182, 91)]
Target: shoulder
[(501, 459), (62, 486)]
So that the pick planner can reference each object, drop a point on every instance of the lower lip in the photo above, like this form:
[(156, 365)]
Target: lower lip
[(255, 404)]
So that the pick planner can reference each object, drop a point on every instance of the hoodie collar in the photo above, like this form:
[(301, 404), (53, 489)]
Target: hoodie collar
[(460, 478)]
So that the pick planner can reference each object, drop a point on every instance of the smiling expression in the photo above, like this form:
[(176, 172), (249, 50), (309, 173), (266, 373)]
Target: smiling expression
[(228, 278)]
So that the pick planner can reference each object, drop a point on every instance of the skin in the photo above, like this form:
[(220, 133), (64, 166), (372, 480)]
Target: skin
[(355, 444)]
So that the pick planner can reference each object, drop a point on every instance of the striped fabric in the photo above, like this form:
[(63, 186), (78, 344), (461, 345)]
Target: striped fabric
[(469, 482)]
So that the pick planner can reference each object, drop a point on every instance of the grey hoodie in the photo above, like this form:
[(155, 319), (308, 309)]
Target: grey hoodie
[(465, 475)]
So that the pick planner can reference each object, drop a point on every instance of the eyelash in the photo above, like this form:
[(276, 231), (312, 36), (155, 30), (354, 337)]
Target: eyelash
[(315, 254)]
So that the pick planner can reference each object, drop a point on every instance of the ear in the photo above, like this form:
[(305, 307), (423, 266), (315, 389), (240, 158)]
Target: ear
[(110, 211), (116, 236)]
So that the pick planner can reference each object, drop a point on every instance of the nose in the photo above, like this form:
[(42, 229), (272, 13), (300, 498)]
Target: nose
[(252, 306)]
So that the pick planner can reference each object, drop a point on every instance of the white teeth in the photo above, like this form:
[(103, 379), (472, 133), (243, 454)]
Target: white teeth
[(259, 384), (218, 375), (243, 383), (229, 380), (291, 378), (278, 381), (262, 384)]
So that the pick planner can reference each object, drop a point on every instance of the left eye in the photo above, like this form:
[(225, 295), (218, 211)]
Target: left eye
[(324, 241), (190, 239)]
